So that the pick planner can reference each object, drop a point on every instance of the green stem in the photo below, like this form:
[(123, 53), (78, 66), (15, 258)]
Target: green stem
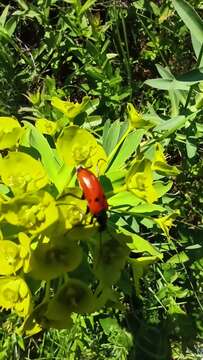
[(47, 290), (125, 59), (128, 53), (158, 300), (154, 41), (192, 87)]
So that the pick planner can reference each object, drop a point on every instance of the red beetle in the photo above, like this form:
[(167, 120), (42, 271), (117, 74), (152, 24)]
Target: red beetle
[(94, 194)]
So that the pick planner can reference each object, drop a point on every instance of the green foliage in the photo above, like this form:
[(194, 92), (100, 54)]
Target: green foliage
[(52, 236), (82, 66)]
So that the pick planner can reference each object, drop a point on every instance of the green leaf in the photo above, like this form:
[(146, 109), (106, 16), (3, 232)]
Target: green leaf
[(56, 170), (197, 46), (190, 17), (172, 124), (23, 4), (136, 120), (139, 4), (117, 179), (164, 84), (193, 247), (4, 15), (128, 147), (147, 209), (94, 72), (11, 26), (162, 188), (71, 109), (107, 325), (124, 199), (86, 6), (176, 96), (93, 121), (139, 267), (111, 136), (164, 72), (141, 245), (164, 169), (108, 134), (178, 258), (193, 76), (191, 148)]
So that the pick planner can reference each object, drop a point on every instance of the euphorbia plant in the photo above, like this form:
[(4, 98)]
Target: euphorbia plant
[(49, 242)]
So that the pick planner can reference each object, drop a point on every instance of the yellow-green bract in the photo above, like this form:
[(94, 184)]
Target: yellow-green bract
[(46, 232)]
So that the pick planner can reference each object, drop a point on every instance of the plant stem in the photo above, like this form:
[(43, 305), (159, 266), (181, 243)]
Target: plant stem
[(192, 87)]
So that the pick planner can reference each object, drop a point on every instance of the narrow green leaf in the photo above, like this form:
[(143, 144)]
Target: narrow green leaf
[(86, 6), (163, 84), (197, 47), (147, 209), (164, 72), (128, 147), (178, 258), (174, 102), (11, 26), (94, 72), (191, 148), (190, 17), (90, 105), (162, 188), (139, 267), (4, 15), (172, 124), (92, 121), (105, 135), (141, 245), (57, 171), (192, 77), (193, 247), (22, 4), (111, 139)]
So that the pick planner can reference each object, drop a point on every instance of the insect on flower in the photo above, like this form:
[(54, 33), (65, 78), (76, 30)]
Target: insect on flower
[(94, 194)]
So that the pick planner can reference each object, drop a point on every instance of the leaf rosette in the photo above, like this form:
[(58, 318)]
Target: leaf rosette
[(160, 164), (68, 108), (10, 132), (34, 211), (15, 294), (22, 173), (10, 259), (46, 126), (77, 146), (139, 180), (71, 209)]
